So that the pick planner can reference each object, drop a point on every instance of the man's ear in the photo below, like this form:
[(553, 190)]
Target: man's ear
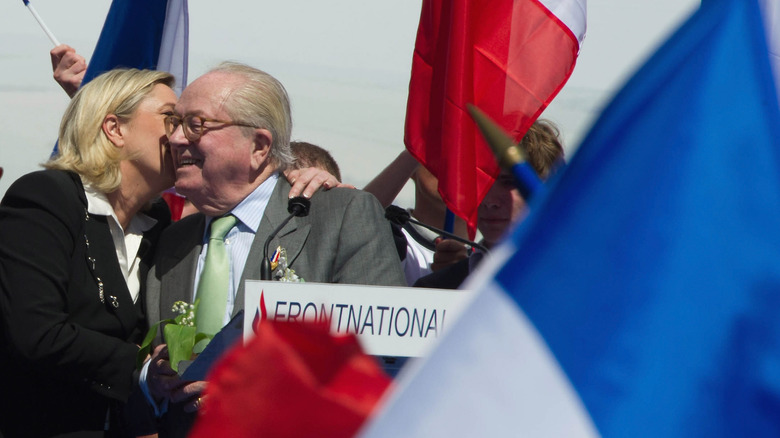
[(261, 148), (112, 128)]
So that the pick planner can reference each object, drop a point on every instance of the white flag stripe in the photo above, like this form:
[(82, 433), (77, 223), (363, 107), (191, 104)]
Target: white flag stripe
[(174, 44), (492, 375), (770, 10), (571, 13)]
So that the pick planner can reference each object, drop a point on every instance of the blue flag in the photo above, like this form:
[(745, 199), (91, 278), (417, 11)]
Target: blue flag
[(647, 278), (144, 34)]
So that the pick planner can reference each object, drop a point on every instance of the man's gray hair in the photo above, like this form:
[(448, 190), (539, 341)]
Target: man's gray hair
[(263, 102)]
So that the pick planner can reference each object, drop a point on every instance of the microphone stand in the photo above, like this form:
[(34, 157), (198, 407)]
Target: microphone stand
[(399, 216)]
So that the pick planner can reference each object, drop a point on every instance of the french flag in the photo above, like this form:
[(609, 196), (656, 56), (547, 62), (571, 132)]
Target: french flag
[(510, 58), (640, 298)]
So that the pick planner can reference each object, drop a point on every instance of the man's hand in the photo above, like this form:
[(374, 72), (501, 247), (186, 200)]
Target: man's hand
[(308, 180), (448, 251), (192, 393), (68, 67), (164, 382), (161, 378)]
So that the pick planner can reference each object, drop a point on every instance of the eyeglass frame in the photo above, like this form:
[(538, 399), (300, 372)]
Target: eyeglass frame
[(191, 135)]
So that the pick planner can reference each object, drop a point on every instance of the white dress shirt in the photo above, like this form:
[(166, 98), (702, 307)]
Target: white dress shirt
[(419, 253)]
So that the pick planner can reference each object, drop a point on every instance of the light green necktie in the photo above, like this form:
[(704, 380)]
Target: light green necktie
[(214, 278)]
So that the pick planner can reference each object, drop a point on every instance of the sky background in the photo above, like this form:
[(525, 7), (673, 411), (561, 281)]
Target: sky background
[(345, 64)]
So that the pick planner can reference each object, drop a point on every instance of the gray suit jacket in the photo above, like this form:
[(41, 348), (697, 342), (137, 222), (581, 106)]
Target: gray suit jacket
[(344, 239)]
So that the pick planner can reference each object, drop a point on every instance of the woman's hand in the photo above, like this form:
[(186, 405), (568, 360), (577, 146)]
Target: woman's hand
[(308, 180)]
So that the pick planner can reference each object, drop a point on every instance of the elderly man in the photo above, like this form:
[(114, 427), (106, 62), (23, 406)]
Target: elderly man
[(230, 139)]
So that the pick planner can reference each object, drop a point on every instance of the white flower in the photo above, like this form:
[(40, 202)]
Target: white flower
[(186, 309)]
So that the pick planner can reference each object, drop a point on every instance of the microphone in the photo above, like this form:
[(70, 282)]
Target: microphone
[(297, 206), (400, 216)]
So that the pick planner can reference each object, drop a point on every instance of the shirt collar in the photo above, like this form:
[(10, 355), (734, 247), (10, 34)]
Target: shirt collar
[(251, 209), (97, 204)]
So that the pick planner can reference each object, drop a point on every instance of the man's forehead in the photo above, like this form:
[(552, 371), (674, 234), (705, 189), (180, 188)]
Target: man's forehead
[(205, 95)]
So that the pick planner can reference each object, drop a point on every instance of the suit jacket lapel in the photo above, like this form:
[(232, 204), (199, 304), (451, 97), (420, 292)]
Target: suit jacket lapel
[(292, 238), (146, 252), (178, 264)]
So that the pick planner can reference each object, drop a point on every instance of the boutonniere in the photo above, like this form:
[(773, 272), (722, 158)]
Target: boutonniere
[(180, 333), (280, 271)]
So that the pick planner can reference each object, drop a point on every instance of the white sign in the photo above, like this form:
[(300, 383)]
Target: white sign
[(388, 321)]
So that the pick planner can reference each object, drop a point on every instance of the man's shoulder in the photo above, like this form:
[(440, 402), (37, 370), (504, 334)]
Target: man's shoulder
[(339, 196)]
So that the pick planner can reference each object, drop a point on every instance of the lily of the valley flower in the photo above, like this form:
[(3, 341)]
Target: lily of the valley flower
[(180, 333)]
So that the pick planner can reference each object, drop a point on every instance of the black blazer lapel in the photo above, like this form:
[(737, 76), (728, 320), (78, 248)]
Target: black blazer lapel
[(102, 261)]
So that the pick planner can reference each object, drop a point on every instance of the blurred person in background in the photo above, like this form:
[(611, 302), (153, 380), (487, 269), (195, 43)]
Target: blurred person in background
[(421, 250), (503, 206)]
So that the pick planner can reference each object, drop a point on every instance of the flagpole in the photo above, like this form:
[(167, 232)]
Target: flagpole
[(41, 23), (449, 221), (510, 155)]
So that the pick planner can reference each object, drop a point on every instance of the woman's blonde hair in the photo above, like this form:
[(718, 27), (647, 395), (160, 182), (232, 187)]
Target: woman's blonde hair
[(82, 145)]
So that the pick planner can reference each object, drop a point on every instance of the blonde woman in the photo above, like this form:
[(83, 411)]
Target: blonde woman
[(76, 241)]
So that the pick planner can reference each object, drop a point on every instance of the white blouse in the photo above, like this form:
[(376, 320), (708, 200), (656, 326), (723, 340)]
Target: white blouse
[(126, 242)]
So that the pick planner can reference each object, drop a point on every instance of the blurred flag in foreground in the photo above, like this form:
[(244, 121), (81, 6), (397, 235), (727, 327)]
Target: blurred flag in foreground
[(149, 34), (770, 9), (644, 293), (509, 58), (291, 380)]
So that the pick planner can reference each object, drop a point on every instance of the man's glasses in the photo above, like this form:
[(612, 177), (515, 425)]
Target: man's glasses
[(195, 126)]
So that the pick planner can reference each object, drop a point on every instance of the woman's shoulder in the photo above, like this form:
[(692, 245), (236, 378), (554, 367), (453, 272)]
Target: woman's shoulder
[(49, 180), (54, 189), (47, 177)]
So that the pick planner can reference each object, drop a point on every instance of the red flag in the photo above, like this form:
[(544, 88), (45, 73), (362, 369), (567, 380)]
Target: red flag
[(291, 380), (509, 58)]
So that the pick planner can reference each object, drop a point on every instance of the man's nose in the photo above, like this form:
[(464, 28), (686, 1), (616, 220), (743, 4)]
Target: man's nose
[(177, 138)]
